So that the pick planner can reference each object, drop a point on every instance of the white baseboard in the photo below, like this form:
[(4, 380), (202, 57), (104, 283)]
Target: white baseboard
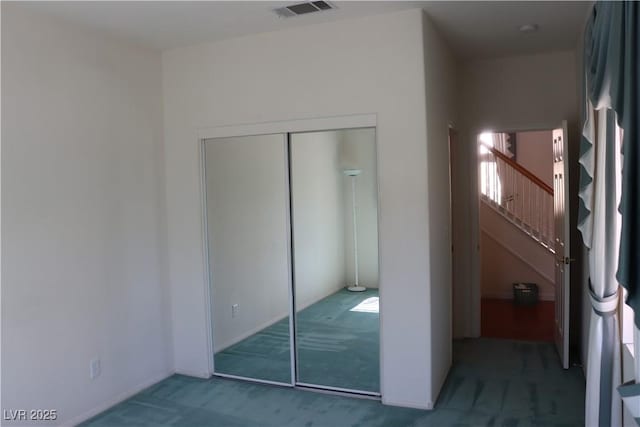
[(509, 295), (402, 404), (117, 399), (443, 380), (194, 374)]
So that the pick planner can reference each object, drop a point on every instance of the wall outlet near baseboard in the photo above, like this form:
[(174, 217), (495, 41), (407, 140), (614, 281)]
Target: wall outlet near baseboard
[(234, 310), (95, 368)]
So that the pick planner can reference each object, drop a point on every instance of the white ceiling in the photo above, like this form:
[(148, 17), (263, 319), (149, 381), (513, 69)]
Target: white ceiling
[(473, 29), (490, 29)]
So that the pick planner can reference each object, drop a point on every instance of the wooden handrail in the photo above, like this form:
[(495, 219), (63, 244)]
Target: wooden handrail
[(524, 171)]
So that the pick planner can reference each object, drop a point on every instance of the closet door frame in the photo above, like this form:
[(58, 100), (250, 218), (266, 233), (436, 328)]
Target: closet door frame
[(284, 127)]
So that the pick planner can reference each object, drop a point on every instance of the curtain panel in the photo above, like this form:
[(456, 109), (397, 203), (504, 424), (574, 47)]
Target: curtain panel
[(601, 236), (612, 57), (610, 225)]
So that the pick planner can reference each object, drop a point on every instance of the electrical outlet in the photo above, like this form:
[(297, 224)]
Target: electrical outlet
[(94, 369), (234, 310)]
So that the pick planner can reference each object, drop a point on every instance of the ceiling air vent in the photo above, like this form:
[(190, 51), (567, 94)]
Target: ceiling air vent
[(303, 8)]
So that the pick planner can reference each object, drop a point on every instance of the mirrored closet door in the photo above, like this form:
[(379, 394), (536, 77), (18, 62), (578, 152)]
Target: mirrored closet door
[(292, 238), (334, 210), (247, 208)]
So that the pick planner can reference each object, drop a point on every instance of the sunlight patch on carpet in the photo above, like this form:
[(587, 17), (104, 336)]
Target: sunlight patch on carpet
[(370, 305)]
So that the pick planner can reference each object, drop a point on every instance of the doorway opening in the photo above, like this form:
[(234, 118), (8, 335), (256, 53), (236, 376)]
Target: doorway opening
[(521, 216)]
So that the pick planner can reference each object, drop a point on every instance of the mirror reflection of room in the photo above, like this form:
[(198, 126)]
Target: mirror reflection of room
[(319, 189), (247, 209), (335, 247)]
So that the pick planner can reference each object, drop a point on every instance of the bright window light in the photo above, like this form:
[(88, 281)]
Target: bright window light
[(370, 305), (490, 182), (486, 138)]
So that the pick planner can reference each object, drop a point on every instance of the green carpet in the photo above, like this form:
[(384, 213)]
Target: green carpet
[(492, 383), (336, 346), (264, 355)]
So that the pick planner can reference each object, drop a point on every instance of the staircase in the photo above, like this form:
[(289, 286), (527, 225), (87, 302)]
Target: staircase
[(517, 195)]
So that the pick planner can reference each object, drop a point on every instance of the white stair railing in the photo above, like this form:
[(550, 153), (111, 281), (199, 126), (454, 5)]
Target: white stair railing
[(518, 195)]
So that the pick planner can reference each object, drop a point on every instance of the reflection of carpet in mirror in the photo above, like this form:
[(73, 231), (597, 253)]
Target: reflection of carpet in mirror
[(369, 305), (338, 345)]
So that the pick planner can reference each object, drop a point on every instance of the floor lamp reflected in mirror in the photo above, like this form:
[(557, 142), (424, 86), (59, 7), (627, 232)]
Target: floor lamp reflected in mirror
[(353, 173)]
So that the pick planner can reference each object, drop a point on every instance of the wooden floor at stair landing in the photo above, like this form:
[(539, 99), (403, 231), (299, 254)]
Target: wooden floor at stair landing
[(502, 318)]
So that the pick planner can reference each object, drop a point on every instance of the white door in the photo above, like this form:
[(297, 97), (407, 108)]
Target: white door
[(562, 229)]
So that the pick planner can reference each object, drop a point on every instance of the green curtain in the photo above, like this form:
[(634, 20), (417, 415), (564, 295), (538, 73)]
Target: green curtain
[(612, 56)]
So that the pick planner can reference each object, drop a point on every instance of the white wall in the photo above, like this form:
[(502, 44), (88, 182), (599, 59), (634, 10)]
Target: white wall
[(247, 206), (441, 101), (83, 244), (515, 93), (519, 93), (502, 267), (358, 151), (318, 215), (535, 153), (370, 65)]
